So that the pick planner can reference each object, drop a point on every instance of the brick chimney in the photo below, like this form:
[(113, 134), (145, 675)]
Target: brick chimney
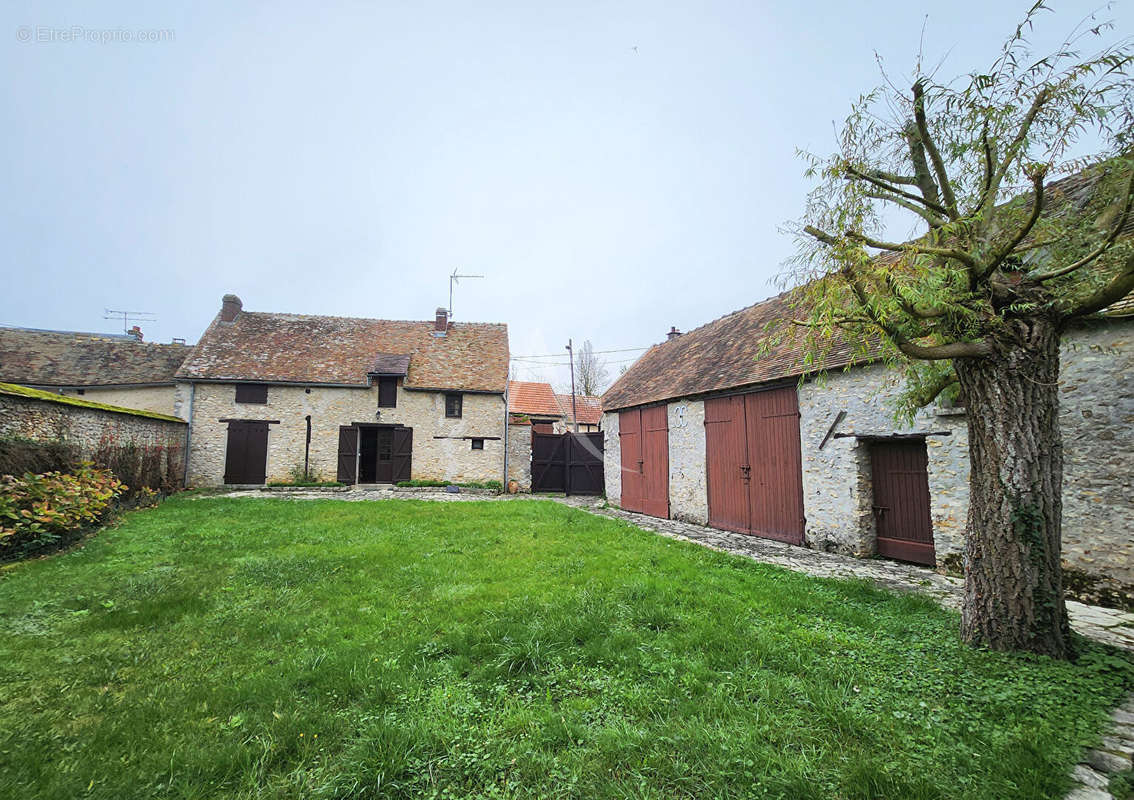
[(230, 307), (441, 322), (673, 333)]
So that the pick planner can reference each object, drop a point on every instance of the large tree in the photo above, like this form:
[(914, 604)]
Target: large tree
[(1021, 179), (590, 371)]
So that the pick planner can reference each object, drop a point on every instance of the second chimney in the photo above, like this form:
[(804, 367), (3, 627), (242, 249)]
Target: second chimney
[(441, 324), (230, 307), (673, 333)]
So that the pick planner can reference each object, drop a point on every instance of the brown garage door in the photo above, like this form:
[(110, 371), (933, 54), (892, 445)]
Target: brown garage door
[(899, 471), (754, 465), (644, 441), (246, 456)]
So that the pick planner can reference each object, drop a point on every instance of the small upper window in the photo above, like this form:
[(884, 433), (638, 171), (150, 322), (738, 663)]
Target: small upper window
[(387, 392), (478, 444), (453, 405), (251, 393)]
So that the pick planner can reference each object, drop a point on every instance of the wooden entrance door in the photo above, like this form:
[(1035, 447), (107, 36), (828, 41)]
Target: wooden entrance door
[(644, 440), (369, 454), (899, 470), (246, 456), (754, 464), (348, 454)]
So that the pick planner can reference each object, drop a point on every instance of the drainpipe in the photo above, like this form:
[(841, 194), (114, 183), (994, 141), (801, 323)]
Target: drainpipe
[(189, 434), (505, 481), (307, 451)]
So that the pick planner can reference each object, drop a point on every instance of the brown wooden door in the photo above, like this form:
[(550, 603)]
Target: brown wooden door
[(246, 456), (384, 455), (630, 443), (655, 462), (348, 454), (728, 470), (776, 485), (402, 454), (899, 470)]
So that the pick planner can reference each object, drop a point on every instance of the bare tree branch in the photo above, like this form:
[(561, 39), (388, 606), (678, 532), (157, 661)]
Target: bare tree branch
[(946, 187), (932, 205), (940, 352), (913, 247), (933, 220), (1104, 246), (929, 392), (1010, 154), (1037, 206), (921, 166)]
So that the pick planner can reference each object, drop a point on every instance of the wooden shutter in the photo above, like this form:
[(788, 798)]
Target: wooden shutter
[(403, 454), (348, 454), (387, 392)]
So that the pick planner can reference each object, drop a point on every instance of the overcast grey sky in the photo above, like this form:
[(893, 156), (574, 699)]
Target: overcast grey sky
[(611, 168)]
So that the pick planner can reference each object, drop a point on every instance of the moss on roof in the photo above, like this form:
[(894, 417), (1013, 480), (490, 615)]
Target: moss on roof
[(16, 390)]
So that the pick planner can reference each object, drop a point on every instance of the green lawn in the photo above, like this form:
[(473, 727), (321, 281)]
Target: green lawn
[(266, 648)]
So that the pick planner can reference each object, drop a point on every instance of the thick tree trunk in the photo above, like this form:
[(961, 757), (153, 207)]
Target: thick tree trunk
[(1013, 578)]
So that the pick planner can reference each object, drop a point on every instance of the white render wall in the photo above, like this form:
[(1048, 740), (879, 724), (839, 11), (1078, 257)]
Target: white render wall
[(612, 458), (451, 459), (688, 489)]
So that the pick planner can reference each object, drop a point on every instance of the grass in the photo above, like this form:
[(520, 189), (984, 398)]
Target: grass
[(264, 648)]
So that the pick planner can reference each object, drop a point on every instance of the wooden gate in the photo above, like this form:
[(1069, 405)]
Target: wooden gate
[(754, 464), (246, 456), (568, 462), (644, 440), (899, 471)]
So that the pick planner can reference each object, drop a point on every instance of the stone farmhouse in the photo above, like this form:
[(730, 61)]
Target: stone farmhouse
[(120, 370), (549, 412), (700, 429), (275, 397)]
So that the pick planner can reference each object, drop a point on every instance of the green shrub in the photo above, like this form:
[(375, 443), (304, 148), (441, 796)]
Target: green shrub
[(41, 511), (493, 485)]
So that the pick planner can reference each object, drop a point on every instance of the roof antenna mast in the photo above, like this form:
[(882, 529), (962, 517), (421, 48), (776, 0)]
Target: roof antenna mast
[(129, 316), (454, 278)]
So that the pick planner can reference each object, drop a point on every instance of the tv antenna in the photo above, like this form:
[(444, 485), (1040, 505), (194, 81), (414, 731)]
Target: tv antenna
[(455, 278), (129, 316)]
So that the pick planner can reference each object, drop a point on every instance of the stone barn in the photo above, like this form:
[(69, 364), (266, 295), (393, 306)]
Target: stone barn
[(702, 430)]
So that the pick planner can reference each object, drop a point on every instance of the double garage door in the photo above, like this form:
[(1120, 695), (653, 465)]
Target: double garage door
[(754, 465), (643, 435)]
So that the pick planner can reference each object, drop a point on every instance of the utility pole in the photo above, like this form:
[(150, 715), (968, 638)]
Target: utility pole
[(574, 414)]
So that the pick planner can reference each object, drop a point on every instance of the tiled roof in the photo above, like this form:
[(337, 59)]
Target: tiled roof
[(62, 358), (588, 407), (390, 364), (525, 397), (296, 348), (720, 355)]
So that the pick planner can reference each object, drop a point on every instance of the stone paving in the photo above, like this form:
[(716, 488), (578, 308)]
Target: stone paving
[(1091, 777)]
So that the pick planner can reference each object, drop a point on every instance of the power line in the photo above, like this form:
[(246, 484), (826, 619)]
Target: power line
[(596, 352)]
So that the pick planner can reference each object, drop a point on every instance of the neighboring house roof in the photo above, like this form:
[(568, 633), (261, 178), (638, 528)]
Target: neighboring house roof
[(13, 390), (64, 358), (588, 407), (533, 399), (298, 348)]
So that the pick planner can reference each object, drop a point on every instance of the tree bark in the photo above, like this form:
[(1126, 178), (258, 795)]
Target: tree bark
[(1013, 576)]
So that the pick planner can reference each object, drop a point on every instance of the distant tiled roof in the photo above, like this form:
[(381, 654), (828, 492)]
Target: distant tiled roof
[(525, 397), (588, 406), (60, 358), (295, 348)]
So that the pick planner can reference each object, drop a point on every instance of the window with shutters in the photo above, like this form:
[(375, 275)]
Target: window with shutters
[(453, 405), (387, 392), (251, 393)]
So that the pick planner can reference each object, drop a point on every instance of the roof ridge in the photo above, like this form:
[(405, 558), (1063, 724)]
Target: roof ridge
[(291, 315)]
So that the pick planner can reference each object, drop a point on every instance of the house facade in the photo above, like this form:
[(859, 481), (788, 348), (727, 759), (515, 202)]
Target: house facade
[(701, 430), (285, 397), (120, 370)]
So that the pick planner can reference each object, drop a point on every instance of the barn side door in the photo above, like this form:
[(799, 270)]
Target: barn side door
[(246, 454), (630, 442), (348, 454), (728, 469), (900, 474), (655, 457), (776, 488), (403, 454)]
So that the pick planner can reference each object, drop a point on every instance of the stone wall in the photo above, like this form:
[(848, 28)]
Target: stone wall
[(688, 487), (160, 399), (612, 458), (91, 430), (520, 456), (439, 451), (1096, 395)]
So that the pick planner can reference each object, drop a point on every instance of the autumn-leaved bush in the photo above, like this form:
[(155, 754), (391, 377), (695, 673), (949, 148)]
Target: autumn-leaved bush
[(39, 511)]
